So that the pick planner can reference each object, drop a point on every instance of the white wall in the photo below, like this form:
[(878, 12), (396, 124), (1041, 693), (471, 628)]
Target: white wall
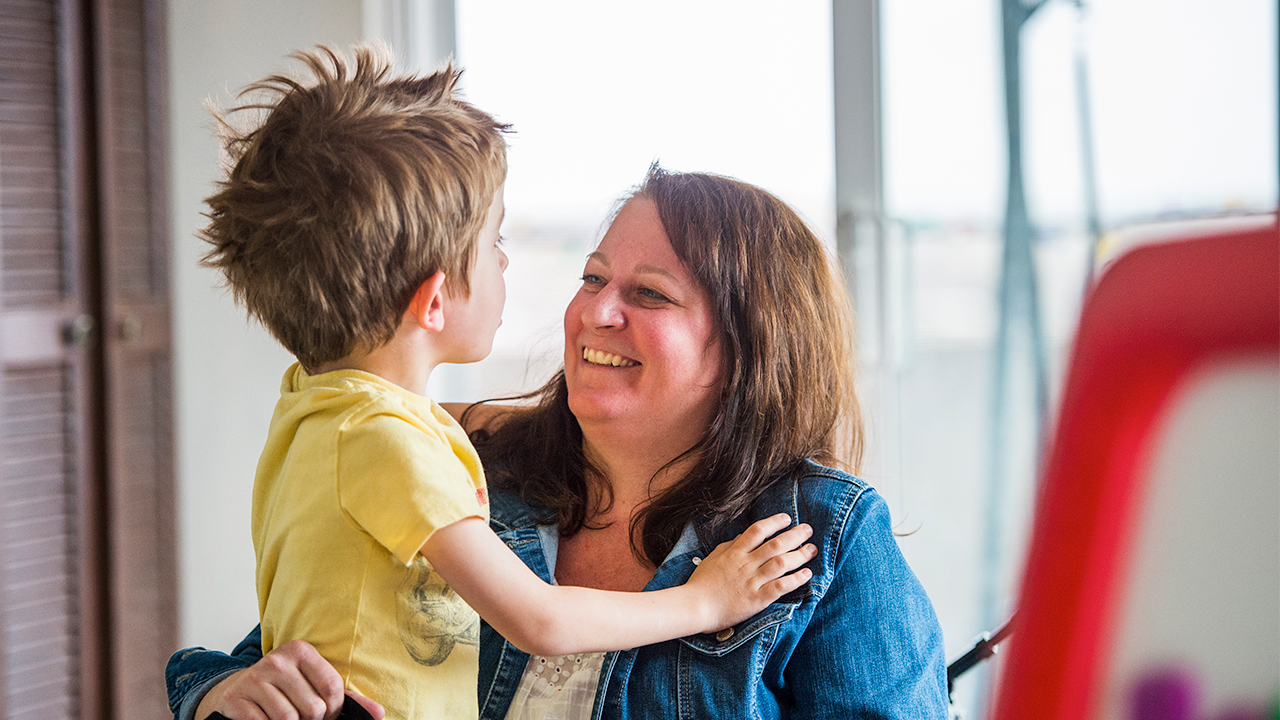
[(227, 372)]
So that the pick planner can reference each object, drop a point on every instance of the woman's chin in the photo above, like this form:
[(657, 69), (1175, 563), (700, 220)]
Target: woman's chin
[(594, 407)]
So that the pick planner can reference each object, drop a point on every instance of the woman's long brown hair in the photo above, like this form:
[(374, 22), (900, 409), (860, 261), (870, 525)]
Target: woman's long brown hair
[(786, 330)]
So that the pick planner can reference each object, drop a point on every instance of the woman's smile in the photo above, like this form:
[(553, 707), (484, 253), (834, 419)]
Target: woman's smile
[(600, 357)]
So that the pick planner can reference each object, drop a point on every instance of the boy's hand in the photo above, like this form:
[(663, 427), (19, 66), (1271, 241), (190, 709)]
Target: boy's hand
[(292, 682), (740, 577)]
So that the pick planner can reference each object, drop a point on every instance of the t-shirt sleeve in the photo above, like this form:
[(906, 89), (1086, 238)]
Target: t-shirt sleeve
[(400, 483)]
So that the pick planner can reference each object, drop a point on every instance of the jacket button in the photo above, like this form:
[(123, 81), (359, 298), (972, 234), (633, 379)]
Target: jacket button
[(724, 634)]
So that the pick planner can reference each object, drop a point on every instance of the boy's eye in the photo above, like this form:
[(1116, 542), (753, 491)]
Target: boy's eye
[(502, 240)]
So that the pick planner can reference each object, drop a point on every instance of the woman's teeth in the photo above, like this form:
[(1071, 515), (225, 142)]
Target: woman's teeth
[(596, 357)]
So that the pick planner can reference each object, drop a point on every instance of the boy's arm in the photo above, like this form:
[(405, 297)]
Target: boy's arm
[(734, 582)]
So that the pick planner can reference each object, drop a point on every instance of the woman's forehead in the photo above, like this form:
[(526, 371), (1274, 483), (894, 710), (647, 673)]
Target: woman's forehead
[(637, 237)]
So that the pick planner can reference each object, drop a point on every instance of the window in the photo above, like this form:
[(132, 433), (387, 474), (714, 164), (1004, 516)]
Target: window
[(1183, 116)]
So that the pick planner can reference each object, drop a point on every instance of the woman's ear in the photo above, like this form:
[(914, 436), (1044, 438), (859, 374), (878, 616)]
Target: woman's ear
[(427, 306)]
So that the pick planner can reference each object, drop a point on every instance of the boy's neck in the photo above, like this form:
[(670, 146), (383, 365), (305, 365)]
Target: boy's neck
[(402, 361)]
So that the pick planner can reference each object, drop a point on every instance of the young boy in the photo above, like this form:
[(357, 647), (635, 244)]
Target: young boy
[(359, 223)]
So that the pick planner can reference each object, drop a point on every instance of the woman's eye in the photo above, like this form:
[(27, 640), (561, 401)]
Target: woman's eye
[(651, 294), (589, 279)]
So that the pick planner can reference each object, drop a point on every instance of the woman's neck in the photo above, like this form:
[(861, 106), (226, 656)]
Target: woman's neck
[(634, 469)]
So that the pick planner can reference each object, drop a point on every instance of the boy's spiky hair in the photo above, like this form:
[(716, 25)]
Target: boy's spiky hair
[(355, 188)]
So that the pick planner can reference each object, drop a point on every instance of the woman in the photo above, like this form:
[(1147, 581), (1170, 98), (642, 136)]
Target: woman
[(707, 383)]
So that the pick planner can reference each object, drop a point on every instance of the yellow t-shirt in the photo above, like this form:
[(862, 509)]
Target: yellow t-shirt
[(356, 474)]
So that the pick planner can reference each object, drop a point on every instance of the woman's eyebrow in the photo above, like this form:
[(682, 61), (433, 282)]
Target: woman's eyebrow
[(655, 270), (642, 269)]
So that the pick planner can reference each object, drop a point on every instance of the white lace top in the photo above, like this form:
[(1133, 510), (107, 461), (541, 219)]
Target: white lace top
[(557, 688)]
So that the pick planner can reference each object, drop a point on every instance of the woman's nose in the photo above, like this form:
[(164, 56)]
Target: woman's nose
[(604, 309)]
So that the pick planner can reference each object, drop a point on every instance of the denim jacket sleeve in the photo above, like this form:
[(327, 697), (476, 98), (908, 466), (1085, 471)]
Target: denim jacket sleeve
[(191, 672), (873, 648)]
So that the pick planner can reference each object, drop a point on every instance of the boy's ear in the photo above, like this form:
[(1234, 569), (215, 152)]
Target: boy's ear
[(427, 305)]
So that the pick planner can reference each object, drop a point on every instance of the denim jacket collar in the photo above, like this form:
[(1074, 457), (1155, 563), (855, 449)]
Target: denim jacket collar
[(516, 523)]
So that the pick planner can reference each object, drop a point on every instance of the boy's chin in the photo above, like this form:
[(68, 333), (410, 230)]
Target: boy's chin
[(474, 355)]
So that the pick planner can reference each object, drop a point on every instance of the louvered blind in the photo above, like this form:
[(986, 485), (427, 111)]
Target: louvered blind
[(40, 545), (40, 403), (87, 596), (138, 251), (31, 267)]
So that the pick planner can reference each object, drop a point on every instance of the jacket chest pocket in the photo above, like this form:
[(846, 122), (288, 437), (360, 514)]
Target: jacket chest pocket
[(719, 674)]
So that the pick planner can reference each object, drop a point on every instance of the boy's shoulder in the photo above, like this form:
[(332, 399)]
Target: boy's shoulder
[(395, 467), (387, 429), (355, 398), (382, 429), (365, 425)]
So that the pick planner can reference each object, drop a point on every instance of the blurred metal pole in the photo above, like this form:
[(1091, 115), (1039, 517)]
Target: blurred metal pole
[(859, 174), (1092, 219), (863, 242), (423, 33), (1020, 337)]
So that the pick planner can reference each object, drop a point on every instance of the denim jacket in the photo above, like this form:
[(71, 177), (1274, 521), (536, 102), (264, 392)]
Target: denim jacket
[(859, 640)]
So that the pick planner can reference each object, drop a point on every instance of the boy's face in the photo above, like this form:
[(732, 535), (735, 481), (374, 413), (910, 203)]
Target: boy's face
[(470, 322)]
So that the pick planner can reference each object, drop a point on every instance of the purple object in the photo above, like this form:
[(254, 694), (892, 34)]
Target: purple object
[(1166, 694)]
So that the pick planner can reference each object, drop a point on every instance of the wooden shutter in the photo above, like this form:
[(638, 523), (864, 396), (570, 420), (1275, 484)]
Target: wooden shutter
[(87, 589), (51, 587), (130, 80)]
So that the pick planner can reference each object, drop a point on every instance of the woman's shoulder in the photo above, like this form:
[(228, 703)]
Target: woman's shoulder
[(819, 485), (814, 473), (832, 500)]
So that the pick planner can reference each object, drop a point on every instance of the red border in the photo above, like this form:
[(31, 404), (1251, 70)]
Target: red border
[(1156, 314)]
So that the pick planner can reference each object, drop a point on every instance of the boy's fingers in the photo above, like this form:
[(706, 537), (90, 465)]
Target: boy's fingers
[(787, 583), (786, 562), (762, 530), (783, 542)]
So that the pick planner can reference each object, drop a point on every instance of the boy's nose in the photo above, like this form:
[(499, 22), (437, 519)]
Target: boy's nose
[(502, 260)]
